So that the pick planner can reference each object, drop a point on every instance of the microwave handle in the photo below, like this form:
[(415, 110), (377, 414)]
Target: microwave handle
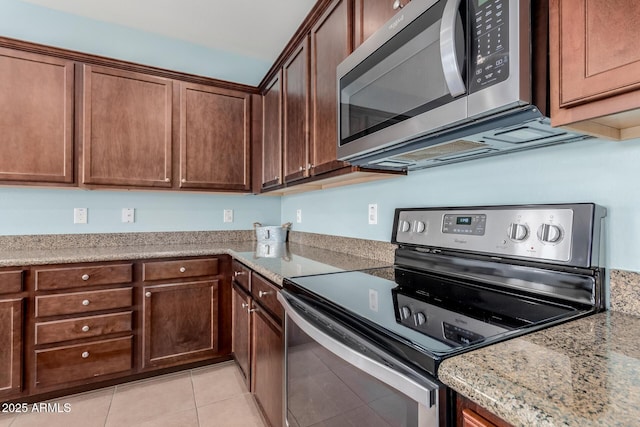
[(448, 54)]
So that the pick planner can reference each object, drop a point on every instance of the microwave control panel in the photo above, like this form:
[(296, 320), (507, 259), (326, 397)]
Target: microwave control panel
[(489, 58)]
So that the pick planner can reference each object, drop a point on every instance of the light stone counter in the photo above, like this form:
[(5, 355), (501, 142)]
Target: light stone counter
[(582, 373)]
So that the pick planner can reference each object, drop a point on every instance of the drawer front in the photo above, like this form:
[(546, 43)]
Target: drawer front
[(75, 277), (266, 295), (83, 361), (83, 302), (241, 275), (83, 327), (10, 281), (166, 270)]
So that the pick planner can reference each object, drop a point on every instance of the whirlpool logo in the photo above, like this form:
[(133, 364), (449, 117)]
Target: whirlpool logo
[(461, 241), (395, 23)]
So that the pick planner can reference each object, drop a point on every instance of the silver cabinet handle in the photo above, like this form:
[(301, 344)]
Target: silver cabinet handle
[(86, 302), (167, 179), (85, 277), (252, 310), (301, 168), (245, 305), (239, 273), (85, 354), (183, 269), (448, 54), (310, 166), (85, 328), (264, 293), (397, 5), (148, 295)]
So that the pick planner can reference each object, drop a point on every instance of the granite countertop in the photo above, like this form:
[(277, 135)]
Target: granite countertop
[(581, 373), (295, 259)]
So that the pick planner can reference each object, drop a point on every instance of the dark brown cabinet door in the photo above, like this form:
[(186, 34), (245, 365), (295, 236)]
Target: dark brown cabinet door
[(10, 346), (268, 367), (595, 64), (272, 133), (215, 138), (241, 327), (36, 118), (331, 43), (296, 113), (180, 323), (126, 128), (371, 15)]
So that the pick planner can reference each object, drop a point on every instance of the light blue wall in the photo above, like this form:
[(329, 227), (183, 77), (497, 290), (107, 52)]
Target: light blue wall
[(25, 21), (38, 211), (604, 172)]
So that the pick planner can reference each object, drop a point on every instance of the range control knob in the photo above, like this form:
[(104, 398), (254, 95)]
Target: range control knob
[(549, 233), (405, 312), (404, 226), (419, 226), (419, 318), (518, 232)]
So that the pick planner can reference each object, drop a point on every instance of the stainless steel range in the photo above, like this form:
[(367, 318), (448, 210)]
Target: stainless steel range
[(363, 347)]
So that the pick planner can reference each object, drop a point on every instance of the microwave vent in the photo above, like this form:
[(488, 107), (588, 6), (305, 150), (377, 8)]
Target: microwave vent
[(435, 151)]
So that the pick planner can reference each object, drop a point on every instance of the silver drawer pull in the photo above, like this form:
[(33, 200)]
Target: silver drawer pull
[(86, 302), (252, 310), (85, 354), (183, 269), (148, 295), (264, 293), (167, 179), (239, 273), (245, 305), (85, 328), (85, 277)]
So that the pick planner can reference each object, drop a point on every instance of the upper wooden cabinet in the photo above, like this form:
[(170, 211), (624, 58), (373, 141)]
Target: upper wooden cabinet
[(371, 15), (126, 120), (215, 135), (272, 133), (296, 113), (36, 118), (595, 66), (331, 43)]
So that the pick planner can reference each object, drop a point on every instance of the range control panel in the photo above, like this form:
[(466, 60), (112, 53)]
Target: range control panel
[(555, 233)]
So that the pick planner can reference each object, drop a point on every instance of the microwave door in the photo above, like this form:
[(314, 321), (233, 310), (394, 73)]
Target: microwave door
[(407, 86)]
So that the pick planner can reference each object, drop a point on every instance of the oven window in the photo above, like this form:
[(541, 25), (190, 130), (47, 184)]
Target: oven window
[(402, 79), (324, 390)]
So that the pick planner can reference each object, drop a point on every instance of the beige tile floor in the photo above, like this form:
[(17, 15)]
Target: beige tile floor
[(210, 396)]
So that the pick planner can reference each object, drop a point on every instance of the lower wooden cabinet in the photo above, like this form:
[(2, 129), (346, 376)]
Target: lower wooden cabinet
[(10, 346), (258, 340), (268, 366), (470, 414), (180, 323)]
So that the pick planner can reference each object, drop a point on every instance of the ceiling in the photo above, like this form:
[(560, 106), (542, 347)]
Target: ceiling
[(255, 28)]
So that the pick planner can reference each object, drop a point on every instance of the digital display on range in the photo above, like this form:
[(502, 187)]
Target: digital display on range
[(481, 2), (463, 220)]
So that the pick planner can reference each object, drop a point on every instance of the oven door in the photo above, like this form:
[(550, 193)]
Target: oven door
[(407, 79), (336, 377)]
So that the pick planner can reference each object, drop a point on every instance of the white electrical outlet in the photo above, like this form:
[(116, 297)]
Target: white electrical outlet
[(373, 213), (228, 215), (80, 215), (128, 215), (299, 216)]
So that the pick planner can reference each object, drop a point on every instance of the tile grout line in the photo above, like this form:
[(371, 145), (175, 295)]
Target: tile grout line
[(195, 402), (110, 403)]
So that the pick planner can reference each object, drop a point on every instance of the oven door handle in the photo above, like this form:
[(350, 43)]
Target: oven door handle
[(424, 395), (448, 55)]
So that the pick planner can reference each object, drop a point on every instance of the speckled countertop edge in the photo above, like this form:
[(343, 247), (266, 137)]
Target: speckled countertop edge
[(582, 373)]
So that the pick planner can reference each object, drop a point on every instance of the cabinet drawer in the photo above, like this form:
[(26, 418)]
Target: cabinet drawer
[(166, 270), (75, 277), (241, 275), (266, 295), (82, 302), (10, 281), (83, 361), (83, 327)]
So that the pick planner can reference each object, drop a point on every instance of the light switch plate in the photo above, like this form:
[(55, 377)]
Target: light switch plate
[(128, 215), (80, 215), (299, 216)]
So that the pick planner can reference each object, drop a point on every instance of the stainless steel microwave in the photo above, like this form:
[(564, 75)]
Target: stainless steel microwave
[(444, 81)]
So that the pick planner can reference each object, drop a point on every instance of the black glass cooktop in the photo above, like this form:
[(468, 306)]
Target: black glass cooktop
[(433, 316)]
